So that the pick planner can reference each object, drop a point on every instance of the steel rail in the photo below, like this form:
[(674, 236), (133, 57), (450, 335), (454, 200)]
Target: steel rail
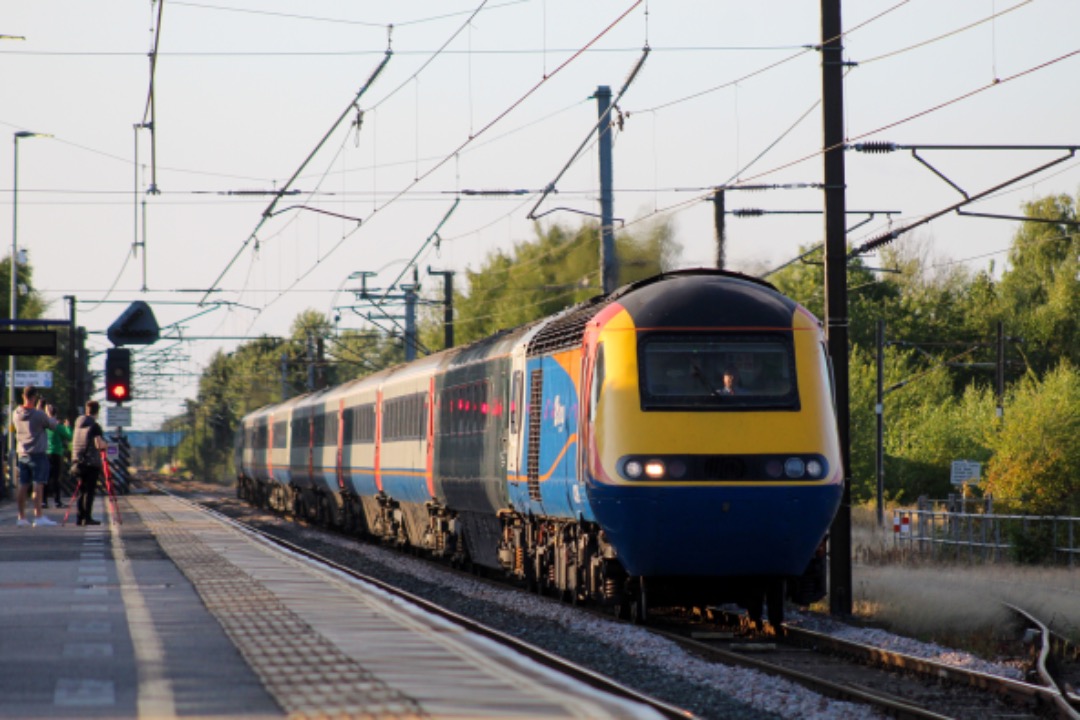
[(893, 707), (1059, 695)]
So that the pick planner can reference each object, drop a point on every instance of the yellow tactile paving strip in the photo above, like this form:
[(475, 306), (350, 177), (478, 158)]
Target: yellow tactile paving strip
[(326, 647)]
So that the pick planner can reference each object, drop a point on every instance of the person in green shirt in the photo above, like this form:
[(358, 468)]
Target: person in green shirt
[(59, 439)]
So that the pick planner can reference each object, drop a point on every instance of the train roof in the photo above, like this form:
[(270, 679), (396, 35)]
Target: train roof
[(706, 298)]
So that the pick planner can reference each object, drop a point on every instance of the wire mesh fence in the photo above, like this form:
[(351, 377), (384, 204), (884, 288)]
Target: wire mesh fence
[(965, 529)]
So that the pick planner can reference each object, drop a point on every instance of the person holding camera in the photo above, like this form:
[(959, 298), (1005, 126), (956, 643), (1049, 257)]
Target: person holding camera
[(31, 445)]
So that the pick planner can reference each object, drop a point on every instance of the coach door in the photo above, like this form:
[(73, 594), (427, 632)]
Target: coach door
[(515, 429)]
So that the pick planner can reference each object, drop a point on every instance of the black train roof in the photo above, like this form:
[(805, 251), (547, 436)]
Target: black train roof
[(697, 298), (703, 299)]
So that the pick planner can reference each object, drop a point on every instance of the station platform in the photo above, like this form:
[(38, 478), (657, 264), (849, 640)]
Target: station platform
[(163, 611)]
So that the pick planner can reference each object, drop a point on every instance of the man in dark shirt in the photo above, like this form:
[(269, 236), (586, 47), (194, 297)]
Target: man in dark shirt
[(87, 444)]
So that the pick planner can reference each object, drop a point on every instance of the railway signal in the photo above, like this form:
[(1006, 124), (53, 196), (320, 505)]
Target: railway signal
[(118, 375)]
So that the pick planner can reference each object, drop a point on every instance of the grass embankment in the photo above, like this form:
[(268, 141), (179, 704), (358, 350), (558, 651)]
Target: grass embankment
[(956, 604)]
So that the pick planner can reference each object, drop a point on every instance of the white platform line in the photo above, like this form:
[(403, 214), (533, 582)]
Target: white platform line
[(155, 695)]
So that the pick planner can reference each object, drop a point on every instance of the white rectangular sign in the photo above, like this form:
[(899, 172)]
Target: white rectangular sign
[(117, 416), (964, 471), (37, 378)]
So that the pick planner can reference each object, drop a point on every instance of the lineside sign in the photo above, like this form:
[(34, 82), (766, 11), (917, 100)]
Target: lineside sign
[(964, 471), (116, 416), (37, 378)]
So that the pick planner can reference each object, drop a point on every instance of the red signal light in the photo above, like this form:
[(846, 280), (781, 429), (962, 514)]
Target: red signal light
[(118, 375)]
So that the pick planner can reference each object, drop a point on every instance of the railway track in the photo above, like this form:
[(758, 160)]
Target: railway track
[(908, 686), (1046, 648), (894, 684)]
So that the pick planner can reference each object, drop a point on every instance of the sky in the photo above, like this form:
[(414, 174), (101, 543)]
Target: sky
[(475, 97)]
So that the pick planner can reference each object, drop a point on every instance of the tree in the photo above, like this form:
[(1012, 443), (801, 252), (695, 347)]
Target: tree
[(1036, 453), (557, 269), (919, 439), (1040, 293), (232, 385)]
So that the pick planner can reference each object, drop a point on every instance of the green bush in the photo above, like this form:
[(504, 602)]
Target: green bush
[(1031, 544)]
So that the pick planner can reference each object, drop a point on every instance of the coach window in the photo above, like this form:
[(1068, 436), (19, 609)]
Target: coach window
[(365, 423), (330, 432), (347, 425)]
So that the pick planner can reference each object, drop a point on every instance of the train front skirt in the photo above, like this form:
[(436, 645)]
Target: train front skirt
[(709, 531)]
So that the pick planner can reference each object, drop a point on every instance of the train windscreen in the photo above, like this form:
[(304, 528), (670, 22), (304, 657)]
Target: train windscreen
[(713, 371)]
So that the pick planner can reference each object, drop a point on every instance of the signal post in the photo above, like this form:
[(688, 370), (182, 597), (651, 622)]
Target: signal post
[(136, 326)]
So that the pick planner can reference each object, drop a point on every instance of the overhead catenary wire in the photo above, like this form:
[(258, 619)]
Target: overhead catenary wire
[(402, 53), (943, 36), (340, 21), (893, 234), (803, 50), (401, 193), (268, 212), (603, 120), (353, 105), (896, 123), (515, 104)]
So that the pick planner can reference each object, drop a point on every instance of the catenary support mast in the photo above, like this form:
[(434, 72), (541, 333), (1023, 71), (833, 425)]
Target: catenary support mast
[(836, 303)]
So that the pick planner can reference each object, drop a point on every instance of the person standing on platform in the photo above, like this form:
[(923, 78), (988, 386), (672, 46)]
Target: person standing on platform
[(31, 445), (59, 437), (87, 445)]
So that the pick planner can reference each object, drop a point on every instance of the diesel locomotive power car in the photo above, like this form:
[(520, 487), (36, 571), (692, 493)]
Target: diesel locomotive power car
[(671, 443)]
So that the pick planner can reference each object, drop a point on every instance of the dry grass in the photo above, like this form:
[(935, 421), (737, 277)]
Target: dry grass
[(955, 604)]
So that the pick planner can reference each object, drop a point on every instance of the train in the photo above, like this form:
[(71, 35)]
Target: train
[(671, 443)]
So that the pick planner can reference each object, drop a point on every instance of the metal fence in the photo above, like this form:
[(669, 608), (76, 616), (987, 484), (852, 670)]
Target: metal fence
[(959, 529)]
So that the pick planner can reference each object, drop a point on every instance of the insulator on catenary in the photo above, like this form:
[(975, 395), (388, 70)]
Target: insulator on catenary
[(748, 212), (876, 147), (877, 242)]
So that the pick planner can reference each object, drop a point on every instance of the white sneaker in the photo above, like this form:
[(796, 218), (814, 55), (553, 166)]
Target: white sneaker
[(23, 522), (42, 521)]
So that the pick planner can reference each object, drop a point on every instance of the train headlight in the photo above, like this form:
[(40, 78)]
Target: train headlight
[(815, 469), (774, 469), (633, 469), (655, 469), (677, 469), (794, 467)]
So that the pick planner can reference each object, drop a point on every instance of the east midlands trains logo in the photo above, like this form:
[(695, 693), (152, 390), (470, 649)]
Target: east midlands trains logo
[(558, 413)]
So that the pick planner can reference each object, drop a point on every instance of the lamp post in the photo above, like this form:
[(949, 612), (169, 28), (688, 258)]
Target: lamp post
[(13, 306)]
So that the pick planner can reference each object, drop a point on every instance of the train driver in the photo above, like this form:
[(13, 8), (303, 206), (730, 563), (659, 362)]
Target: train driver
[(730, 379)]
